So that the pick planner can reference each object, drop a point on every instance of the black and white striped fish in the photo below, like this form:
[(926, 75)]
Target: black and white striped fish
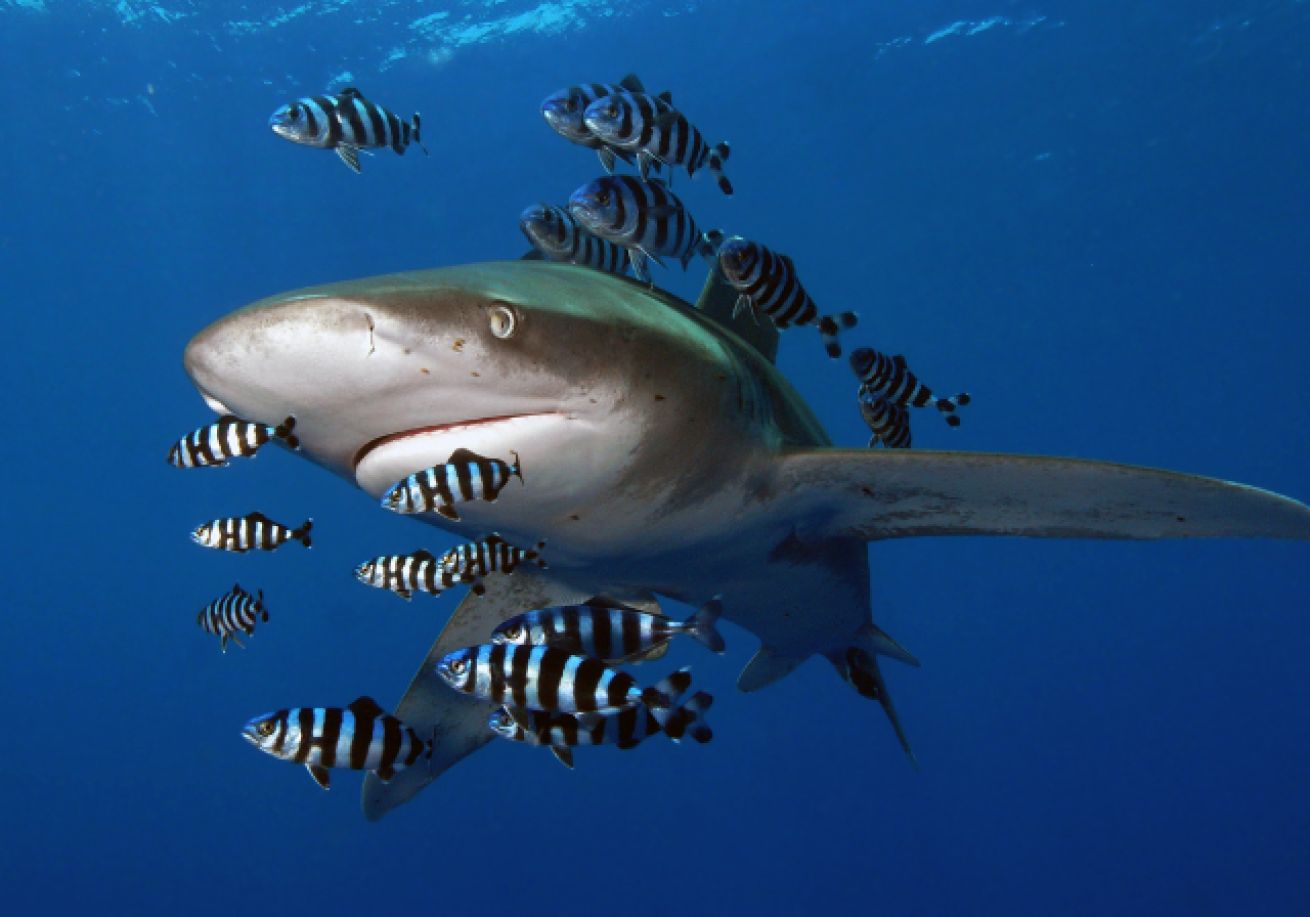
[(563, 111), (465, 476), (644, 217), (227, 438), (562, 732), (889, 423), (362, 737), (553, 232), (654, 131), (236, 611), (890, 379), (251, 532), (767, 282), (345, 122), (476, 559), (544, 678), (608, 630), (405, 574)]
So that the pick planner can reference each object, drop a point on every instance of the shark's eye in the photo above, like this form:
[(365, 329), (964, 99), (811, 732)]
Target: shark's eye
[(265, 728), (502, 321)]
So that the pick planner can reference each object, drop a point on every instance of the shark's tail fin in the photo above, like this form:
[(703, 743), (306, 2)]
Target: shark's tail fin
[(701, 625), (858, 665)]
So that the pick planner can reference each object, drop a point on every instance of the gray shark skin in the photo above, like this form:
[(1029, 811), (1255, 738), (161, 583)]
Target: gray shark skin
[(662, 455)]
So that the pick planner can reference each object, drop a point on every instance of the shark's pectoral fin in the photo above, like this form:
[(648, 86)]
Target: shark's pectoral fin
[(458, 722), (900, 493), (768, 666)]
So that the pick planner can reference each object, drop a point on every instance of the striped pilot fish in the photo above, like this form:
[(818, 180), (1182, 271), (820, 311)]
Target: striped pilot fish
[(236, 611), (472, 561), (652, 129), (563, 111), (608, 630), (890, 379), (252, 532), (362, 737), (465, 476), (544, 678), (553, 232), (890, 423), (644, 217), (561, 732), (405, 574), (345, 122), (227, 438), (768, 283)]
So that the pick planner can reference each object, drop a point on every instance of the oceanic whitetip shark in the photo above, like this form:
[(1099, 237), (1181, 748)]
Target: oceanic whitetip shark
[(663, 455)]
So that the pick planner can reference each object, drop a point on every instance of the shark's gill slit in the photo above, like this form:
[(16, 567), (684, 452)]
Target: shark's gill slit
[(368, 318)]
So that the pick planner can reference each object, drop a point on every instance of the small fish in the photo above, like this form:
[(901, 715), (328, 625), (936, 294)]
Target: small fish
[(544, 678), (362, 737), (465, 476), (607, 630), (476, 559), (227, 438), (768, 283), (345, 122), (244, 533), (890, 423), (644, 217), (236, 611), (553, 232), (890, 379), (405, 574), (561, 732), (563, 111), (652, 129)]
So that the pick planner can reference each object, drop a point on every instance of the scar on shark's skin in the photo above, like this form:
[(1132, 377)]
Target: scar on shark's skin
[(368, 318)]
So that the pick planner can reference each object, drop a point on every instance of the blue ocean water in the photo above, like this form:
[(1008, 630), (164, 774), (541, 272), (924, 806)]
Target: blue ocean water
[(1091, 216)]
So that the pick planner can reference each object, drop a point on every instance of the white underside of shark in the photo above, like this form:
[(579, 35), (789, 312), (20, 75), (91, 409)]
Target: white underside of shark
[(662, 455)]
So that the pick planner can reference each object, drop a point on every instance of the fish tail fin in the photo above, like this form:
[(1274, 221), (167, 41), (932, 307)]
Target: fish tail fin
[(687, 719), (416, 140), (831, 326), (948, 405), (657, 699), (858, 666), (701, 625), (283, 431), (302, 534), (535, 554), (672, 687), (718, 156)]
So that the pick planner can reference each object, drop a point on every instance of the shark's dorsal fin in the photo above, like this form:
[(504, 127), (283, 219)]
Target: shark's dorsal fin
[(899, 493), (718, 300)]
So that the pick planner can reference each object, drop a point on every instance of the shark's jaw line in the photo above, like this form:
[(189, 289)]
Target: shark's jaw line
[(457, 426)]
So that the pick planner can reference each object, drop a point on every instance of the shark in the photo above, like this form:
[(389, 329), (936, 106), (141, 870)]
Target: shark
[(664, 457)]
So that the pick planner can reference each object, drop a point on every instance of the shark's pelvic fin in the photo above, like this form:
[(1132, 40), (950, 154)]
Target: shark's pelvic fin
[(902, 493), (457, 722), (768, 665)]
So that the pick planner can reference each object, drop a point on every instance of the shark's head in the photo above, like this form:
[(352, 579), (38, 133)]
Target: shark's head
[(576, 371)]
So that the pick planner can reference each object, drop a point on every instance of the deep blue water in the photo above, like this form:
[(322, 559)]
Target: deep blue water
[(1091, 216)]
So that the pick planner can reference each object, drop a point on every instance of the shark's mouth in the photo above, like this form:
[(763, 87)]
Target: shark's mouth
[(382, 462)]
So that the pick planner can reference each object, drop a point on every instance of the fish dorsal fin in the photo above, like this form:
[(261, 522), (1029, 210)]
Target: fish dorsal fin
[(464, 455), (608, 601), (718, 300), (258, 517), (899, 360), (423, 554), (631, 83), (666, 97), (901, 493), (350, 91), (788, 263), (366, 707)]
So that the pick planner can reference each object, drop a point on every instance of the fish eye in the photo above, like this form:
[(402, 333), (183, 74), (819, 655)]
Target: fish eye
[(603, 198), (459, 666), (265, 728), (513, 631), (502, 321)]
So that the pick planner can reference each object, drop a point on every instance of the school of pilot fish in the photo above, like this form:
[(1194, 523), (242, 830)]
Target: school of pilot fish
[(554, 671)]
